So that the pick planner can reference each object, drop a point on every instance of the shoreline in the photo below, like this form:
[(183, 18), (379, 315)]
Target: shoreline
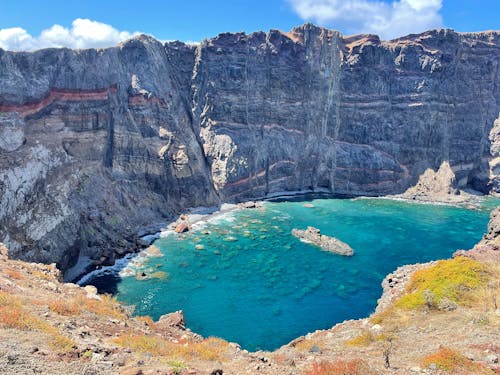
[(199, 216)]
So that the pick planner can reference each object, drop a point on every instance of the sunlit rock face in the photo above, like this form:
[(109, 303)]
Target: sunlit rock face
[(95, 144)]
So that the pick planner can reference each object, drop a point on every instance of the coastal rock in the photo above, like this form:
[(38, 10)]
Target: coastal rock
[(97, 142), (174, 319), (182, 227), (247, 204), (312, 235), (434, 185)]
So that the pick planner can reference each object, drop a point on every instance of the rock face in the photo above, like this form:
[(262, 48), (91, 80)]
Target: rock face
[(434, 184), (95, 144), (314, 236)]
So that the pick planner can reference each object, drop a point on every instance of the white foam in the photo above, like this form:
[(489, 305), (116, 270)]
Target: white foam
[(115, 269)]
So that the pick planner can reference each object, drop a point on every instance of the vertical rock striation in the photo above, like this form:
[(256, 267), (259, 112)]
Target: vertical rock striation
[(95, 144)]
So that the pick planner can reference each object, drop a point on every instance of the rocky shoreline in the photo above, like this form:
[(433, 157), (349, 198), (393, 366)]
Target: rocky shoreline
[(197, 216)]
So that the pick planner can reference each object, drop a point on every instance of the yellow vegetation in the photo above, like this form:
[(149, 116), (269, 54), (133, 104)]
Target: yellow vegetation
[(451, 361), (210, 349), (306, 344), (105, 306), (450, 280), (65, 307), (12, 315), (366, 337)]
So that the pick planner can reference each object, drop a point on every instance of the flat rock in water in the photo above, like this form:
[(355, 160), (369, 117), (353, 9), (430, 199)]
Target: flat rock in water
[(314, 236)]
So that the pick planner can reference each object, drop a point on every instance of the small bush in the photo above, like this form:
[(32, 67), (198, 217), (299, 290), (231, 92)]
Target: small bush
[(341, 367), (67, 308), (451, 361), (446, 280)]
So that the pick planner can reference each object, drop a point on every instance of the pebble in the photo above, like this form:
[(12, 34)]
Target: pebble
[(492, 358)]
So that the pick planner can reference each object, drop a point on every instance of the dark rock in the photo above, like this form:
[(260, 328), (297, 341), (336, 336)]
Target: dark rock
[(315, 349)]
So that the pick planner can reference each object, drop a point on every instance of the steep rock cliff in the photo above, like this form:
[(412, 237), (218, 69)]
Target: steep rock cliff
[(95, 144)]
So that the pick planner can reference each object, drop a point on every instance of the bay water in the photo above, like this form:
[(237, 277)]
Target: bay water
[(245, 278)]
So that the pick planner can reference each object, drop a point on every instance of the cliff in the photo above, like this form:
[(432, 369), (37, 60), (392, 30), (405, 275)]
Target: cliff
[(95, 144)]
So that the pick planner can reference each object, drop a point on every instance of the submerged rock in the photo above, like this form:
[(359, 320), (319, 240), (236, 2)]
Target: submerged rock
[(314, 236)]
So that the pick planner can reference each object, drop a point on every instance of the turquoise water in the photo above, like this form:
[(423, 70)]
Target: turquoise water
[(255, 284)]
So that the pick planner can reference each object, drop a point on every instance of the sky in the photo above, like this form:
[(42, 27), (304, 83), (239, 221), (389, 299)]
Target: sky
[(35, 24)]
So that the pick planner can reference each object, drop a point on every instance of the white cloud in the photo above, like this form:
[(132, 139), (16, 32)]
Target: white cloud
[(389, 20), (83, 33)]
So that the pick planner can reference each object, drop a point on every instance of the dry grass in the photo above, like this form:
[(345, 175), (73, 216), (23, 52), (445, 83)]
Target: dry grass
[(105, 306), (487, 296), (341, 367), (306, 344), (14, 274), (210, 349), (366, 337), (67, 308), (13, 315), (453, 362), (447, 280)]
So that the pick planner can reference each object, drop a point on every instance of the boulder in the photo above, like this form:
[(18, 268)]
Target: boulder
[(4, 252), (313, 235), (248, 204), (174, 319), (182, 227)]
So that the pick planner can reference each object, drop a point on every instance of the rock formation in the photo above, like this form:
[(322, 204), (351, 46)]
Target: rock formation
[(97, 143), (331, 244), (434, 185)]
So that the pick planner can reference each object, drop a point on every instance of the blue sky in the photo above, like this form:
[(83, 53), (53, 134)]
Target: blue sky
[(29, 24)]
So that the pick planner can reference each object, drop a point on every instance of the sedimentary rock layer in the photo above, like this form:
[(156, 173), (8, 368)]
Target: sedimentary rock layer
[(95, 144)]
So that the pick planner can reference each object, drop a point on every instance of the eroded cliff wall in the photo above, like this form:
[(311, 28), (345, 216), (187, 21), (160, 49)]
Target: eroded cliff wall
[(95, 144)]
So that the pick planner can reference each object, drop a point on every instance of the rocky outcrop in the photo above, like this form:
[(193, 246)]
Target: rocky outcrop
[(434, 184), (97, 143), (331, 244)]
